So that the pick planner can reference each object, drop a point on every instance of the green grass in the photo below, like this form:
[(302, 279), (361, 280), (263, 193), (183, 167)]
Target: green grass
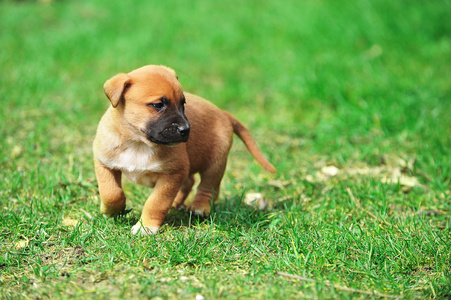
[(359, 85)]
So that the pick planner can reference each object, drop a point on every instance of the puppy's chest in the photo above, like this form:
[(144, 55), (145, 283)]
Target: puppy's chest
[(137, 162)]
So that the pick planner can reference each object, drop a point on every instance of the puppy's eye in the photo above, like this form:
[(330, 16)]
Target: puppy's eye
[(156, 105)]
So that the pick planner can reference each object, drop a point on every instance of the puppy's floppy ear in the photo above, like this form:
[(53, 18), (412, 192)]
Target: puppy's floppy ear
[(115, 88)]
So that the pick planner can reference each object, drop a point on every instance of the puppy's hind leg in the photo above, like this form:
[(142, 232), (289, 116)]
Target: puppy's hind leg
[(208, 190), (184, 191)]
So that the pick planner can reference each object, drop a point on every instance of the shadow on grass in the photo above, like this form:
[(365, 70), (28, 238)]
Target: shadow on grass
[(225, 214)]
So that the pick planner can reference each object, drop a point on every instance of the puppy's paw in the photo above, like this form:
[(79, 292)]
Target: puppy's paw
[(111, 211), (200, 210), (138, 229)]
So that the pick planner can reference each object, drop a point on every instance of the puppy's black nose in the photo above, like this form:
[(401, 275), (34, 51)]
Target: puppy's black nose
[(184, 130)]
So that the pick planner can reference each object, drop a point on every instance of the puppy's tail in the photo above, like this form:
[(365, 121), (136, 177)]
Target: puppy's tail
[(247, 139)]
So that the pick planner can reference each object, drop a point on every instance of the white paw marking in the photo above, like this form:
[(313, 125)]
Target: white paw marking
[(144, 230), (199, 212)]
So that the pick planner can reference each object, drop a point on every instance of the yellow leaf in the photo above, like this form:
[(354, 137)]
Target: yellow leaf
[(67, 221), (21, 244)]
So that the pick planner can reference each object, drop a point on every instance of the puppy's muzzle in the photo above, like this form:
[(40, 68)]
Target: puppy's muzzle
[(177, 132), (173, 134)]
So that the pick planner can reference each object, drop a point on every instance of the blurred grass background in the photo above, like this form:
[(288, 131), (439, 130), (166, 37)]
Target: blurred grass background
[(318, 82), (334, 70)]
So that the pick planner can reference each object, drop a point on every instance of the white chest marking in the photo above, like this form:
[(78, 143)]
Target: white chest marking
[(138, 157), (136, 161)]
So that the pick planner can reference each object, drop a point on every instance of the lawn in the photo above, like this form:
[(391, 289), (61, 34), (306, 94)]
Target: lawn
[(350, 100)]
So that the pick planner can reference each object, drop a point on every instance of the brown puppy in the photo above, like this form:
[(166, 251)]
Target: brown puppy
[(159, 136)]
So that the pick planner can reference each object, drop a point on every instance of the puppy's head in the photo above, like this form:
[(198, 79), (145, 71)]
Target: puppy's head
[(151, 100)]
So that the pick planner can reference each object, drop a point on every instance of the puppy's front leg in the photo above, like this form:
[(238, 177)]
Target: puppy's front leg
[(158, 204), (110, 189)]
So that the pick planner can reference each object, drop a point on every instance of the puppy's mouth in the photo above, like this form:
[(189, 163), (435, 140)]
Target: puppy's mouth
[(166, 142), (169, 136)]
